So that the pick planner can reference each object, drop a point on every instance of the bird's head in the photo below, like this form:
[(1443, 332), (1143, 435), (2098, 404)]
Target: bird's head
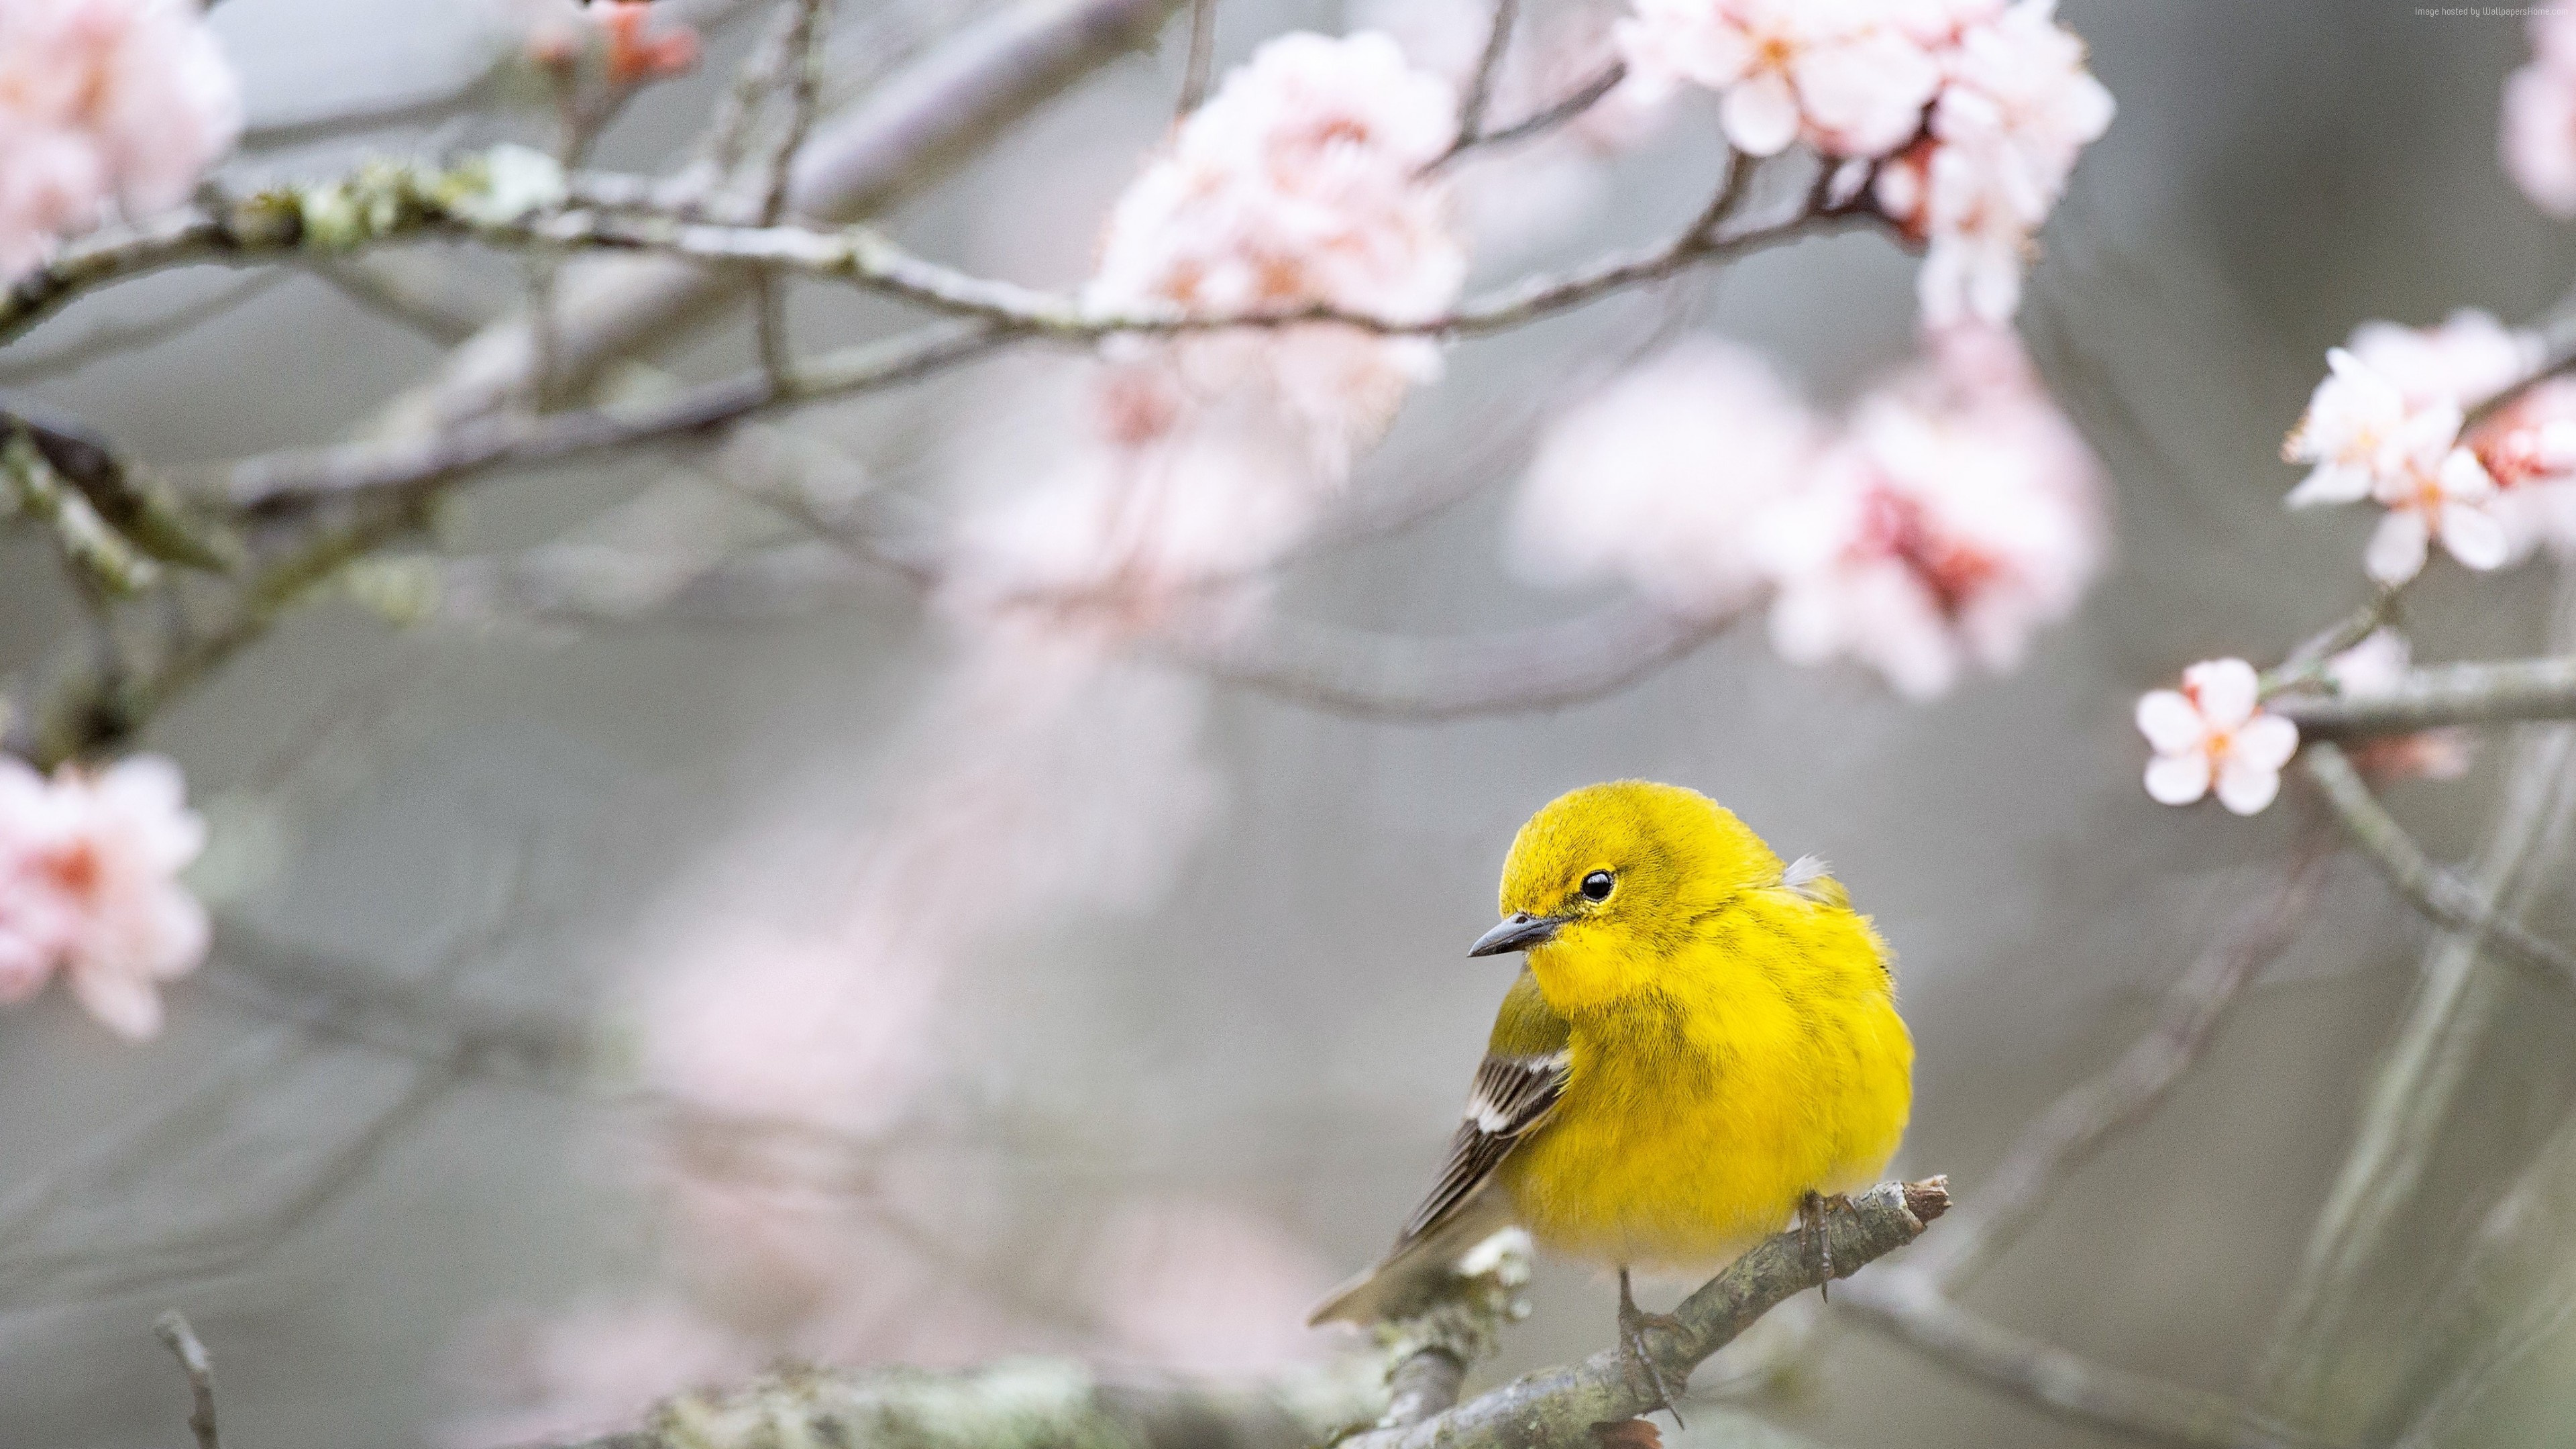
[(1605, 883)]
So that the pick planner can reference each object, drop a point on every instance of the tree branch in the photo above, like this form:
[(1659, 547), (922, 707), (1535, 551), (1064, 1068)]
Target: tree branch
[(2441, 896), (1555, 1408), (911, 129), (2077, 1124), (2496, 692), (1909, 1306)]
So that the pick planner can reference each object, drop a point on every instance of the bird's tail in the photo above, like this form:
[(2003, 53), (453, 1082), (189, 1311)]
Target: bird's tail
[(1409, 1278)]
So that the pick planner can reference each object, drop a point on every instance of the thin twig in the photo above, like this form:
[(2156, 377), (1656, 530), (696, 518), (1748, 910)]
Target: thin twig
[(1583, 98), (443, 317), (2078, 1123), (805, 40), (2439, 895), (1489, 69), (482, 444), (1908, 1305), (1198, 70), (2420, 1074), (110, 338), (175, 1334), (1429, 680)]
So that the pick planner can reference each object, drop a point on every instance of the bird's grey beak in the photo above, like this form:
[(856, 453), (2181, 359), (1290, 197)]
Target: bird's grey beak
[(1517, 932)]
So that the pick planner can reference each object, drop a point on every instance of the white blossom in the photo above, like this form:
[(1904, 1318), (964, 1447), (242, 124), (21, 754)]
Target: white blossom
[(2213, 731)]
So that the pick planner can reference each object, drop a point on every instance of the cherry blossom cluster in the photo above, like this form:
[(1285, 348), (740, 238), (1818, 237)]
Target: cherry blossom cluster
[(89, 886), (1299, 183), (2538, 137), (105, 106), (1952, 513), (2389, 424), (1198, 460), (1968, 113)]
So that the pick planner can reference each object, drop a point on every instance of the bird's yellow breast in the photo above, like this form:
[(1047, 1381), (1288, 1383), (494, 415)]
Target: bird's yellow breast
[(1767, 1062)]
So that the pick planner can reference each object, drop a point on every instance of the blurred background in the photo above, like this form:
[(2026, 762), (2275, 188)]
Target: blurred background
[(1130, 1024)]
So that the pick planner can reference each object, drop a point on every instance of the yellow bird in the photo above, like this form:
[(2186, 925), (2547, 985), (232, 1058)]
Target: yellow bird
[(1704, 1046)]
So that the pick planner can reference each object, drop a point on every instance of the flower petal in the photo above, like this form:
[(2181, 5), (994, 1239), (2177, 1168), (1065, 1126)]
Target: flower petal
[(1760, 114), (2475, 537), (2168, 721), (124, 1003), (2245, 787), (2178, 779), (2396, 551), (2330, 482), (2225, 690), (2266, 742)]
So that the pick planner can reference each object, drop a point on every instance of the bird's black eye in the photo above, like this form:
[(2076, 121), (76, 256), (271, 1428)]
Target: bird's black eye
[(1596, 886)]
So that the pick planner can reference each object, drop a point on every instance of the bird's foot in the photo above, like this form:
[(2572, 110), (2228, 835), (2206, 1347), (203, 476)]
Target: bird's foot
[(1814, 1224), (1633, 1323)]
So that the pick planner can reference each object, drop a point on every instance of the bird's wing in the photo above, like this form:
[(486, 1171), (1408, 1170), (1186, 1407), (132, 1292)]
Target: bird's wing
[(1513, 1094)]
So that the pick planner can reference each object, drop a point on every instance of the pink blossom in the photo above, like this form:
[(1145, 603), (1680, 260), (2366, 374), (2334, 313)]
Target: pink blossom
[(2213, 730), (2529, 449), (2366, 441), (2538, 136), (2360, 430), (104, 103), (1977, 239), (2453, 500), (89, 867), (2469, 358), (1658, 478), (2020, 99), (1835, 72), (1959, 513), (1298, 184), (2015, 109)]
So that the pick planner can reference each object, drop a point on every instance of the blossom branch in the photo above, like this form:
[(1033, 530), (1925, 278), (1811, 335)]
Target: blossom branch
[(2488, 692), (2435, 892)]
